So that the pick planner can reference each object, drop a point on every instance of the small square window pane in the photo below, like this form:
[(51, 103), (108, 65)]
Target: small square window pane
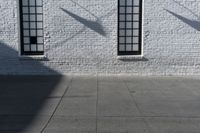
[(33, 47), (25, 9), (26, 40), (122, 10), (39, 10), (33, 32), (122, 25), (128, 9), (25, 2), (39, 2), (25, 25), (128, 48), (135, 47), (135, 32), (128, 17), (32, 18), (122, 17), (128, 39), (26, 48), (39, 24), (40, 40), (26, 32), (40, 48), (32, 25), (121, 40), (129, 25), (25, 17), (136, 9), (39, 32), (136, 17), (39, 17), (32, 2), (122, 32), (128, 32), (122, 2), (136, 2), (121, 47), (32, 9), (135, 40), (129, 2), (136, 25)]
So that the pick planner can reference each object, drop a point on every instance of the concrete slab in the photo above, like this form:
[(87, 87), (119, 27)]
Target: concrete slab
[(114, 99), (83, 86), (62, 124), (28, 106), (121, 125), (174, 125), (77, 106), (18, 123)]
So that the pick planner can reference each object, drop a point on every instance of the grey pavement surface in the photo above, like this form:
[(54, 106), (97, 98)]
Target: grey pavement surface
[(99, 104)]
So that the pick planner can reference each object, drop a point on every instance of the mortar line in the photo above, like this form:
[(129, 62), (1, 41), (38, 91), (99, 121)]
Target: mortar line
[(59, 102)]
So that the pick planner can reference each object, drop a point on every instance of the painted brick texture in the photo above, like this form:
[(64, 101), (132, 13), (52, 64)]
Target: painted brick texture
[(171, 39)]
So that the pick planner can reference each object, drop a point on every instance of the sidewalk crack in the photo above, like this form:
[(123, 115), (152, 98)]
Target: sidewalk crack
[(59, 102)]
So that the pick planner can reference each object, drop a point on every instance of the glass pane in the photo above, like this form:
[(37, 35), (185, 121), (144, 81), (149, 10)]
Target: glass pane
[(121, 40), (26, 40), (32, 18), (39, 17), (121, 47), (26, 32), (25, 17), (128, 39), (33, 25), (128, 48), (39, 24), (25, 2), (25, 25), (135, 47), (32, 9), (32, 2), (33, 32), (128, 32), (129, 10), (40, 40), (33, 47), (136, 2), (39, 10), (39, 32), (40, 48), (26, 48), (39, 2), (25, 9)]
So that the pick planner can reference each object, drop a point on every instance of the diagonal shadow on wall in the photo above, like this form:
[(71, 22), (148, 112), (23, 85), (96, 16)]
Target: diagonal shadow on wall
[(93, 25), (193, 23), (27, 102)]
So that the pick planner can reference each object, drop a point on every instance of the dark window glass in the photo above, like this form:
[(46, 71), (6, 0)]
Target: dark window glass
[(129, 27), (31, 21)]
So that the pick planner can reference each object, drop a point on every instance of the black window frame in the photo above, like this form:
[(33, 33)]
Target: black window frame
[(22, 44), (139, 52)]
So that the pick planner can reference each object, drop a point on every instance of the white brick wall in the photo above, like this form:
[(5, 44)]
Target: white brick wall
[(171, 40)]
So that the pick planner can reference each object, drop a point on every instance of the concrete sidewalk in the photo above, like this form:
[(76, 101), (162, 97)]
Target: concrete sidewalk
[(99, 104)]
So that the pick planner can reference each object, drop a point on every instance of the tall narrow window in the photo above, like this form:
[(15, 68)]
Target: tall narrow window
[(31, 23), (129, 27)]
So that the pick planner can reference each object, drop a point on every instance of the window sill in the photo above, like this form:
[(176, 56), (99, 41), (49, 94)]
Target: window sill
[(33, 57), (132, 58)]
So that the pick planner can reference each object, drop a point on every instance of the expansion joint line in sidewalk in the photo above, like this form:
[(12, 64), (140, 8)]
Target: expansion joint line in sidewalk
[(137, 106), (59, 102)]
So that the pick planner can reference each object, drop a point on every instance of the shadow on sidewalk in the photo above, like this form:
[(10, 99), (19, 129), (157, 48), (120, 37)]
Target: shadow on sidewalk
[(25, 98)]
